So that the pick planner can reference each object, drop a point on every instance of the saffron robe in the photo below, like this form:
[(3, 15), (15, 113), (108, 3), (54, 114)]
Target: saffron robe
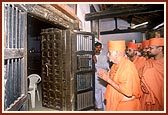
[(139, 62), (126, 76), (152, 83)]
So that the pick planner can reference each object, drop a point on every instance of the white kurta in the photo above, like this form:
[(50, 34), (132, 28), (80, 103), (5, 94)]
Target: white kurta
[(100, 85)]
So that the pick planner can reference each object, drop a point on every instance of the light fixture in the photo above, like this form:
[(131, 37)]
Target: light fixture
[(138, 25)]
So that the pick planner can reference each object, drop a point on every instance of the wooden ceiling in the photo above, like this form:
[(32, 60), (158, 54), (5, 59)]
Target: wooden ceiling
[(132, 13)]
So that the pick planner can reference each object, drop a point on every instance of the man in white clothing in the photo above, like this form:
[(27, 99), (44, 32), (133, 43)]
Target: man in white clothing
[(101, 61)]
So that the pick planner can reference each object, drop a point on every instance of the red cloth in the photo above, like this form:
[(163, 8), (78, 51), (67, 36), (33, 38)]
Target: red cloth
[(132, 45), (145, 43), (156, 42)]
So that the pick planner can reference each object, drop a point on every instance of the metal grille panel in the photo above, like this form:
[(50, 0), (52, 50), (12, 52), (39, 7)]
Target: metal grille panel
[(84, 81), (84, 42), (84, 62), (85, 100), (84, 71), (14, 47)]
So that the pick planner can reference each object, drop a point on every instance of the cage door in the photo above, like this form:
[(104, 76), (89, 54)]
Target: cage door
[(52, 73), (84, 70)]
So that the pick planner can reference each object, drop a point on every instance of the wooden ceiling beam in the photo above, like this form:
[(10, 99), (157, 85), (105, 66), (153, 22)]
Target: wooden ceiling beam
[(111, 13), (116, 31)]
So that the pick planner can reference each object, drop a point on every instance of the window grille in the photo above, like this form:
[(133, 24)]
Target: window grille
[(14, 57)]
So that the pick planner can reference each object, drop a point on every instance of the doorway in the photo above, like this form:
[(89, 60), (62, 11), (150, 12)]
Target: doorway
[(34, 27), (66, 70)]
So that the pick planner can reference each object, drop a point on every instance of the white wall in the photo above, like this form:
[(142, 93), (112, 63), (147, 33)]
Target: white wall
[(106, 25), (83, 9), (124, 36), (109, 24)]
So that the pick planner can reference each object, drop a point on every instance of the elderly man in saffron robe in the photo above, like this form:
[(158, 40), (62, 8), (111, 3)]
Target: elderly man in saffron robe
[(123, 90), (152, 77)]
